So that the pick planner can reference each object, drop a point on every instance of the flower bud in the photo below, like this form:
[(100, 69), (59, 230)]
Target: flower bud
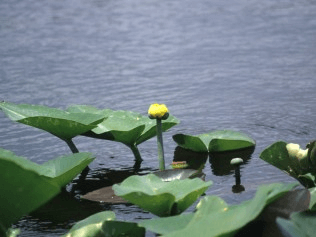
[(298, 155), (158, 111), (292, 149)]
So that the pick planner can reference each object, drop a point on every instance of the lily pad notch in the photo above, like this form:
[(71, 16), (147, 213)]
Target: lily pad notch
[(215, 141)]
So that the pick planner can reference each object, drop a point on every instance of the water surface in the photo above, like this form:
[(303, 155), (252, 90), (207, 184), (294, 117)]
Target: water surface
[(248, 66)]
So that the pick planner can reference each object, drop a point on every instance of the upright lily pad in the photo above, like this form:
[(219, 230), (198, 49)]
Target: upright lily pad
[(312, 204), (126, 127), (62, 124), (214, 217), (216, 141), (278, 156), (60, 170), (104, 224), (161, 198), (23, 189)]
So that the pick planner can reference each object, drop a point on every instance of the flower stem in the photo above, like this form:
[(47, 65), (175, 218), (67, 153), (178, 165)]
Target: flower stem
[(161, 157), (237, 175), (136, 153)]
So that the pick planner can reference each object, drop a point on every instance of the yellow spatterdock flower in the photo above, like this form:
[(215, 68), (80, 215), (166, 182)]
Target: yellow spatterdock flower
[(158, 111)]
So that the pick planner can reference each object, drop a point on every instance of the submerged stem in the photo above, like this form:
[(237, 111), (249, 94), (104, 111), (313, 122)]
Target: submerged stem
[(161, 157), (136, 153)]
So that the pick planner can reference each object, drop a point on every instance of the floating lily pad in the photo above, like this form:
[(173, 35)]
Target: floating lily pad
[(103, 195), (300, 224), (215, 218), (104, 224), (161, 198), (216, 141), (107, 195), (278, 156), (165, 225), (178, 174), (62, 124)]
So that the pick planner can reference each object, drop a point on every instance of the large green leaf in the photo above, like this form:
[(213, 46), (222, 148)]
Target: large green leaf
[(64, 169), (300, 224), (214, 217), (278, 156), (23, 188), (312, 204), (216, 141), (127, 127), (63, 124), (60, 170), (104, 224), (159, 197), (165, 225)]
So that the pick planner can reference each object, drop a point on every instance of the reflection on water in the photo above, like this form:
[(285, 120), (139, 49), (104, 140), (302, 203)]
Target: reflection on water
[(194, 160), (220, 161)]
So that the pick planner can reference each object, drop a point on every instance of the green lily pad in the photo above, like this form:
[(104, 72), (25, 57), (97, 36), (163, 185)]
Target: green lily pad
[(161, 198), (312, 204), (165, 225), (104, 224), (278, 156), (60, 170), (126, 127), (215, 218), (216, 141), (174, 174), (62, 124), (23, 189), (300, 224)]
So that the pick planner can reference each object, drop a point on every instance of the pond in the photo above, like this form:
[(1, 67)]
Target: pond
[(247, 66)]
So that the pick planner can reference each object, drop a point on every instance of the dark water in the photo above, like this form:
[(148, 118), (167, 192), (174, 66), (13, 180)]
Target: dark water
[(248, 66)]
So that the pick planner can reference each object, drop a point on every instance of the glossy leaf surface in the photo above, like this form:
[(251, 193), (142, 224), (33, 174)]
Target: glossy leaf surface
[(214, 217), (62, 124), (126, 127), (165, 225), (104, 224), (23, 188), (161, 198), (174, 174), (216, 141), (278, 156)]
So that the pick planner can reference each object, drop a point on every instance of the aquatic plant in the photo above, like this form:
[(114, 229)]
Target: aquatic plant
[(160, 197), (127, 127), (105, 224), (159, 112), (215, 141), (62, 124), (296, 162), (25, 185), (214, 217)]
